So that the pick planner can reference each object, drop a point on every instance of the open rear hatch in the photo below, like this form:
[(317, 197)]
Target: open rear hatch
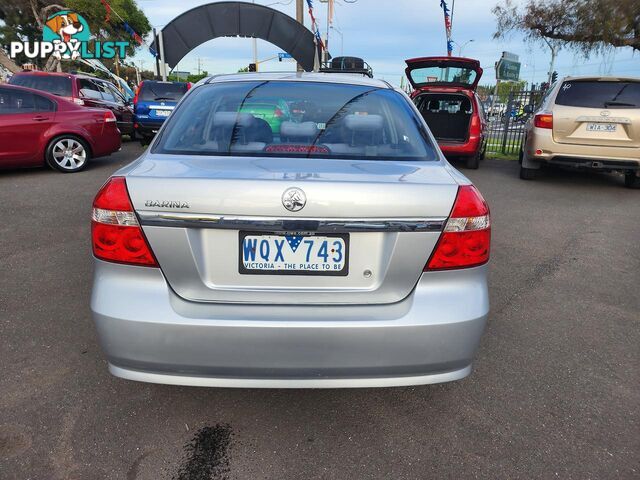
[(599, 112), (221, 233), (443, 72)]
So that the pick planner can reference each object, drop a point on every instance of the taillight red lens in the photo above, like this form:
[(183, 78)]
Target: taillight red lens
[(109, 117), (115, 231), (278, 113), (543, 120), (465, 241), (135, 97)]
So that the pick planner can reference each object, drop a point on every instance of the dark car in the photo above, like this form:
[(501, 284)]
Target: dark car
[(153, 103), (38, 128), (82, 90), (445, 93)]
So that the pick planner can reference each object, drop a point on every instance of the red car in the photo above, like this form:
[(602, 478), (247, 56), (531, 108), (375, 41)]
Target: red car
[(38, 128), (83, 90), (445, 93)]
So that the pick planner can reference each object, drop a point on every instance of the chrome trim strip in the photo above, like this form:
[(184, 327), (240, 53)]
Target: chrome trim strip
[(289, 224)]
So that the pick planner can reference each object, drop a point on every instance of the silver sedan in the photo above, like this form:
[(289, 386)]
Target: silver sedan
[(291, 230)]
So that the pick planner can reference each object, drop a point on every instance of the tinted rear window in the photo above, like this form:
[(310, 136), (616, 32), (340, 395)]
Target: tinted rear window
[(304, 119), (47, 83), (593, 94), (155, 91)]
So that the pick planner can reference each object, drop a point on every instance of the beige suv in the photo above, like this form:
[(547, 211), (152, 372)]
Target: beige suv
[(588, 123)]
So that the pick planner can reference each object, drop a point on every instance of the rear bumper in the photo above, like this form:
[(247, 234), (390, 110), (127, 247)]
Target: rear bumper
[(149, 334), (147, 128), (469, 148), (541, 147), (110, 141)]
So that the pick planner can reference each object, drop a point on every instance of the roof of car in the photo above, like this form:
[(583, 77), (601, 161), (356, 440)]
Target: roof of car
[(343, 78), (601, 77)]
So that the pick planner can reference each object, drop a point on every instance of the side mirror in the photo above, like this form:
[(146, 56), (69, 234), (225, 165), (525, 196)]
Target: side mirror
[(528, 109)]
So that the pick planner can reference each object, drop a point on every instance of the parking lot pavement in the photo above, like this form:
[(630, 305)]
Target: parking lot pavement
[(554, 394)]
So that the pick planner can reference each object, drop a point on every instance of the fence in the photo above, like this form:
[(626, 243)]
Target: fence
[(507, 120)]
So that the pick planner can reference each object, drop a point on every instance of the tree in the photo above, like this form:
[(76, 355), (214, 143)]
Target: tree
[(23, 20), (587, 26)]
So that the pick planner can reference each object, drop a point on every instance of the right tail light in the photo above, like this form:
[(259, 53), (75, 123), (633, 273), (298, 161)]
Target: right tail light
[(465, 241)]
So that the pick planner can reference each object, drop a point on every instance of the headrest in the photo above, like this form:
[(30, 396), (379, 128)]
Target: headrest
[(229, 119), (299, 130), (363, 123)]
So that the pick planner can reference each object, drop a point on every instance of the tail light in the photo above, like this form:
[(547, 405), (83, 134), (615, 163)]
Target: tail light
[(189, 85), (475, 129), (278, 113), (115, 231), (135, 97), (543, 120), (466, 238), (109, 117)]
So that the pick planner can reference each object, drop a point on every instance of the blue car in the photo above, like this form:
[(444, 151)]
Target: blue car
[(153, 103)]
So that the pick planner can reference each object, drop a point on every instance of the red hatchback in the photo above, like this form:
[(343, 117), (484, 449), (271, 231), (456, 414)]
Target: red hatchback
[(445, 93), (38, 128), (81, 89)]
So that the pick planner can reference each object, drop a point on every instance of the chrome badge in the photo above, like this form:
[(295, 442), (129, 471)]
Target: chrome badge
[(294, 199)]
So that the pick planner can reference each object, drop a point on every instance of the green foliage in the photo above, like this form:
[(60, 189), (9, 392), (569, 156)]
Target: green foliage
[(20, 23), (113, 30), (191, 78), (584, 25), (504, 88)]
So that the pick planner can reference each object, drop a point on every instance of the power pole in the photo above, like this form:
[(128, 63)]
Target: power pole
[(300, 20)]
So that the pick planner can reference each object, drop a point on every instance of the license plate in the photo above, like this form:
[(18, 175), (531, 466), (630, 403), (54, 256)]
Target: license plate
[(601, 127), (163, 113), (293, 254)]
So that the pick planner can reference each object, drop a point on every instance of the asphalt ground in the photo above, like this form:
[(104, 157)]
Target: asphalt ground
[(555, 392)]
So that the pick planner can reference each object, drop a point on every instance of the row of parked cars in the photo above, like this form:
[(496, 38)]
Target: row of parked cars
[(588, 122), (50, 118)]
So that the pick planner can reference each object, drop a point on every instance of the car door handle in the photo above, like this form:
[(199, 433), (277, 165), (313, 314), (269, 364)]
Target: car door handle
[(40, 118)]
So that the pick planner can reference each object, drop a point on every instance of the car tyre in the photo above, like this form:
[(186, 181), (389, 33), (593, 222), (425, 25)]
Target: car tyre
[(631, 180), (473, 163), (68, 154), (133, 136), (528, 173)]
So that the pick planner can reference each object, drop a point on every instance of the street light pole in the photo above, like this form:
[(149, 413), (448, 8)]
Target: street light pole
[(461, 47), (300, 20)]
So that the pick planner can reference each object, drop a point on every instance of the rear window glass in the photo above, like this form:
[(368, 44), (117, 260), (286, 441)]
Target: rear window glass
[(593, 94), (435, 74), (54, 84), (156, 91), (297, 119)]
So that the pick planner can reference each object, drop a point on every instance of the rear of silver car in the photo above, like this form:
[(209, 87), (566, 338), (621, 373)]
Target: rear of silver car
[(221, 298)]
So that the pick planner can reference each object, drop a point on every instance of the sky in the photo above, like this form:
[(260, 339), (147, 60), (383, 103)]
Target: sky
[(385, 33)]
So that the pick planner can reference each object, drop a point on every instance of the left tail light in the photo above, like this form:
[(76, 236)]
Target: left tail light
[(109, 117), (465, 241), (115, 232)]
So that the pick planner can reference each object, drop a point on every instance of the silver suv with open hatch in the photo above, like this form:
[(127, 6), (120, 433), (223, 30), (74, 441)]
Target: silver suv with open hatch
[(335, 247)]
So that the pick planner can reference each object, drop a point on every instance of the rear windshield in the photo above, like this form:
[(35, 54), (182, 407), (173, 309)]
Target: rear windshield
[(156, 91), (435, 74), (296, 119), (594, 94), (54, 84)]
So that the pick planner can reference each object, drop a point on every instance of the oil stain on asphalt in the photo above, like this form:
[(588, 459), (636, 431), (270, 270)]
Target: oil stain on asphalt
[(206, 456)]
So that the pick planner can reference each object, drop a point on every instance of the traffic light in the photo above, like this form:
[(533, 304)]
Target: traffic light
[(554, 77), (252, 67)]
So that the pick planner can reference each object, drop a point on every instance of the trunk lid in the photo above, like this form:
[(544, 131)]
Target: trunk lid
[(194, 211), (599, 112), (460, 72)]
